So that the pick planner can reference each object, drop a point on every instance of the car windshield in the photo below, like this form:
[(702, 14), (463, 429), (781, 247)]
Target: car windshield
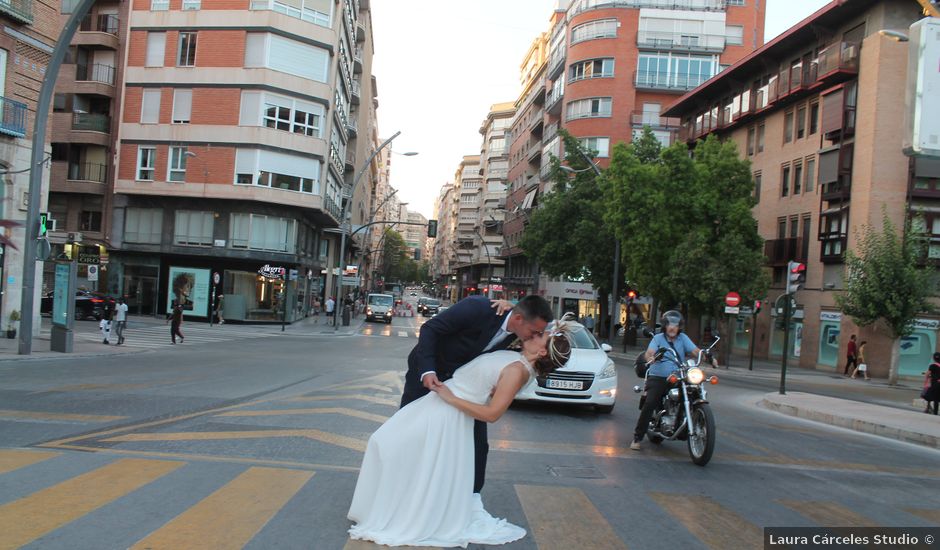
[(432, 303), (583, 339), (380, 300)]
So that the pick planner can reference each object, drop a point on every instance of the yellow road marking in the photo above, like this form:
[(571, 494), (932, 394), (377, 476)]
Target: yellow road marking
[(14, 459), (933, 516), (231, 516), (326, 410), (369, 398), (36, 415), (365, 545), (375, 387), (711, 523), (31, 517), (828, 514), (93, 387), (316, 435), (562, 518)]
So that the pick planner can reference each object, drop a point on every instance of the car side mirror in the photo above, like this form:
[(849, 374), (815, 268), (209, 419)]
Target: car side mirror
[(606, 348)]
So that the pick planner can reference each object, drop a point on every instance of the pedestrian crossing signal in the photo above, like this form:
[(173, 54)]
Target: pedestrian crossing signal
[(43, 224), (432, 228)]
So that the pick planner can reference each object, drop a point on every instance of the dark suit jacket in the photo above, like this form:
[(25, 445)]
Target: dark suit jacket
[(456, 336)]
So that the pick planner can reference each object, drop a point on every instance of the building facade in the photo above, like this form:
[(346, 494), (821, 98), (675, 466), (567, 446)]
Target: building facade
[(823, 170)]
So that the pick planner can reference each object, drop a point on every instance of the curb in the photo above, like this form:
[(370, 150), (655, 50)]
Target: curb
[(855, 424)]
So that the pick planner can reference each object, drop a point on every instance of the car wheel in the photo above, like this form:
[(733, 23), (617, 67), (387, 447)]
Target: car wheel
[(604, 409), (78, 315)]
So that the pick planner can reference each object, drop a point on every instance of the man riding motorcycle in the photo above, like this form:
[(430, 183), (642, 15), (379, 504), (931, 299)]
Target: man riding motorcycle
[(674, 340)]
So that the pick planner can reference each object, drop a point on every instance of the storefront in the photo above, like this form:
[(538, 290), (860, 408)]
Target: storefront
[(576, 298), (268, 294), (795, 344), (830, 323), (917, 349)]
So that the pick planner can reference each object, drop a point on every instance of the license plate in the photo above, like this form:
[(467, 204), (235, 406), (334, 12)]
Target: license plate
[(564, 384)]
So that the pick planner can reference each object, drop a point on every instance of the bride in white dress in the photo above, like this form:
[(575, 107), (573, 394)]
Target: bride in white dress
[(415, 486)]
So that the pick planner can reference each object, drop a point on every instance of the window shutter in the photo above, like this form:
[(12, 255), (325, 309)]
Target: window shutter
[(156, 49), (832, 112), (182, 105), (150, 106)]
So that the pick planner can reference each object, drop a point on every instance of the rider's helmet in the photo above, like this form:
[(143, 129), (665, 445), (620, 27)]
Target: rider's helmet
[(672, 317)]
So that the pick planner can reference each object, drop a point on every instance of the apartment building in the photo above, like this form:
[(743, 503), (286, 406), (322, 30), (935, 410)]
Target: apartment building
[(444, 264), (84, 134), (818, 113), (466, 212), (26, 43), (416, 235), (241, 125)]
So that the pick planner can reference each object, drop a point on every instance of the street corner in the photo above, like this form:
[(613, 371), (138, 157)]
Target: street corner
[(894, 423)]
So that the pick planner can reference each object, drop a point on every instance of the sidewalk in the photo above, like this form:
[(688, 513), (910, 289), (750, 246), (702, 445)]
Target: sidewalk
[(872, 407)]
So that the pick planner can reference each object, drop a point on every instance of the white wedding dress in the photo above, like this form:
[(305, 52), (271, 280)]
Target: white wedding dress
[(416, 482)]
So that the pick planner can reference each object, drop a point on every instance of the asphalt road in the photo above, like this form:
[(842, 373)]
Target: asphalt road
[(255, 442)]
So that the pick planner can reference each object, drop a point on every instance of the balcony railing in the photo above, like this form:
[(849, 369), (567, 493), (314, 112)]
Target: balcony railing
[(12, 117), (21, 10), (680, 41), (357, 60), (658, 80), (88, 171), (556, 62), (841, 56), (350, 158), (92, 122), (100, 23), (653, 120), (95, 73), (352, 127), (705, 5), (335, 160), (330, 206)]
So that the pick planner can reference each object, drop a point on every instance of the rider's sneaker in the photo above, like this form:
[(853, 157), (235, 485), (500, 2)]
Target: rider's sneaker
[(635, 445)]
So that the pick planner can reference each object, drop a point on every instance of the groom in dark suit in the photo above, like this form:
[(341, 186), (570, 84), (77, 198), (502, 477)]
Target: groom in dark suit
[(462, 333)]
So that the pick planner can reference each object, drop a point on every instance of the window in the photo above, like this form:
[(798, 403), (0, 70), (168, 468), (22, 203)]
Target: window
[(186, 53), (68, 6), (785, 181), (192, 4), (788, 127), (599, 144), (750, 141), (143, 225), (313, 11), (794, 226), (596, 68), (674, 71), (182, 106), (813, 118), (159, 5), (760, 138), (797, 178), (324, 249), (601, 28), (734, 2), (150, 106), (156, 49), (277, 171), (290, 183), (193, 228), (286, 55), (90, 218), (146, 160), (781, 228), (586, 108), (257, 232), (177, 165), (810, 174), (283, 113), (801, 122), (757, 181), (734, 35)]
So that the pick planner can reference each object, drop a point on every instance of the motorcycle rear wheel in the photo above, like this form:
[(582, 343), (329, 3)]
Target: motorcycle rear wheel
[(702, 446)]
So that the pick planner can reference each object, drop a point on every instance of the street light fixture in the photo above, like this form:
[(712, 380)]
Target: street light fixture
[(897, 36)]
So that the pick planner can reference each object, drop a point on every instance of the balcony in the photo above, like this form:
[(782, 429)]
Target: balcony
[(336, 161), (91, 122), (654, 121), (357, 60), (350, 159), (352, 128), (21, 10), (836, 191), (106, 23), (550, 132), (95, 73), (841, 57), (698, 5), (662, 81), (356, 92), (12, 118), (553, 101), (556, 63), (360, 32), (534, 152), (332, 208), (674, 41), (781, 251), (87, 171)]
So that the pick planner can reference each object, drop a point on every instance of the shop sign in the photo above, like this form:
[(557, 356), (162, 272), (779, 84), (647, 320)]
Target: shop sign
[(927, 324), (830, 316), (733, 310), (272, 272), (89, 256), (293, 274)]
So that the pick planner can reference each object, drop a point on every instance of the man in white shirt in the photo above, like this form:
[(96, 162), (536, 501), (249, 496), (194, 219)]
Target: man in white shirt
[(120, 320), (330, 306)]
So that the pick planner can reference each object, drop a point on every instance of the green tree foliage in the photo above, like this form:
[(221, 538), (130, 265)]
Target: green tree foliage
[(686, 223), (397, 262), (566, 235), (884, 283)]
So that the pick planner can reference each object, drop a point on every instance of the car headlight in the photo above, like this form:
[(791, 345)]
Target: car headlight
[(695, 376), (368, 311), (609, 371), (388, 313)]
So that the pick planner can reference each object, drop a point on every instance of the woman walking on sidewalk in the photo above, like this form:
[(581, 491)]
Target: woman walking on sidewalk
[(175, 318), (931, 393), (862, 363)]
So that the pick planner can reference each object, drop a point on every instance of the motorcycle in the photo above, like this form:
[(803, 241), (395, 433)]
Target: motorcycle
[(684, 413)]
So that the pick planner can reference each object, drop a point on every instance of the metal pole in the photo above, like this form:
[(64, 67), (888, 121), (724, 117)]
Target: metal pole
[(786, 343), (284, 302), (614, 302), (341, 253), (750, 365), (35, 175)]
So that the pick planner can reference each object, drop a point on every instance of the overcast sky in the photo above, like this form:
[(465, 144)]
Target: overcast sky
[(440, 64)]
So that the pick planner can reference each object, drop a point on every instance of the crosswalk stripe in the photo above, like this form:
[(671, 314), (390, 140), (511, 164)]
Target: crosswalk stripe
[(31, 517), (231, 516), (828, 513), (14, 459), (325, 410), (933, 516), (370, 398), (714, 525), (562, 518), (63, 417), (402, 334)]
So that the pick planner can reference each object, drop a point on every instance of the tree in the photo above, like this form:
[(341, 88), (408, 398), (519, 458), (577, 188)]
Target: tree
[(565, 235), (398, 265), (884, 284)]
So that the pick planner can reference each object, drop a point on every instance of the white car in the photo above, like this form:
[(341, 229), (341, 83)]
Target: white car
[(589, 377)]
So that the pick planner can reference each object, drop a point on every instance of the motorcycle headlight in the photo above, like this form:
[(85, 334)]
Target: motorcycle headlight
[(609, 371), (695, 376)]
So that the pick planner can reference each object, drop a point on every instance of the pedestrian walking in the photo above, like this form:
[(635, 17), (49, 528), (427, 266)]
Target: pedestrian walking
[(175, 318), (589, 323), (105, 325), (851, 357), (219, 305), (120, 320), (931, 393), (862, 365), (316, 310), (330, 307)]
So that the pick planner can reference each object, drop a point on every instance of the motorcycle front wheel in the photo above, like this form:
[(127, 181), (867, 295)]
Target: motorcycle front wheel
[(702, 441)]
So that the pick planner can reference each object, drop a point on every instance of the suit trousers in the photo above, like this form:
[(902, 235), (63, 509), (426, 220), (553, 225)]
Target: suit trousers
[(481, 447)]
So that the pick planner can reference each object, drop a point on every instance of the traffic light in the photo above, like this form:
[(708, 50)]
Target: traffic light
[(796, 276), (757, 306), (631, 294), (43, 224), (432, 228)]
